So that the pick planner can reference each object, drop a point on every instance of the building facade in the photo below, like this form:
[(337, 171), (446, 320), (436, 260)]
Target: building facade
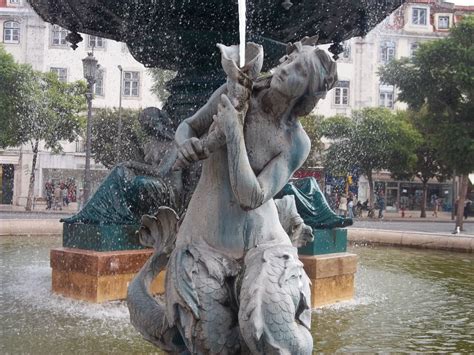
[(43, 45), (359, 86)]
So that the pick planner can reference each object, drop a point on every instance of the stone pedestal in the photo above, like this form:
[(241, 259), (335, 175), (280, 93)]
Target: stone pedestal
[(98, 276), (332, 277)]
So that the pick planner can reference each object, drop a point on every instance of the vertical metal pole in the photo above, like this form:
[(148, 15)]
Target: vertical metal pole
[(87, 170), (119, 136), (453, 196)]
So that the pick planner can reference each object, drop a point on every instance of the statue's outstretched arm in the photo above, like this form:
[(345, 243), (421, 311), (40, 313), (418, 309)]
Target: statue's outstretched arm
[(251, 190), (190, 148), (199, 123)]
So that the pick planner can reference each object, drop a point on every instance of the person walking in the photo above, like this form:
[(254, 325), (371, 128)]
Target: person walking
[(350, 209), (57, 198), (467, 207), (64, 193), (49, 195), (343, 205), (381, 204), (435, 205)]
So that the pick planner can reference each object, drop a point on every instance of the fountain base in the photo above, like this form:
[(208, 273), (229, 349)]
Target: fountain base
[(332, 277), (97, 276), (104, 276)]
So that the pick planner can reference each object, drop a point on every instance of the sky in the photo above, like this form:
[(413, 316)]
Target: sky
[(463, 2)]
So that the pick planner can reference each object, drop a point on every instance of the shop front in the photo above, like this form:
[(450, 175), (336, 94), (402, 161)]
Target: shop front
[(409, 195)]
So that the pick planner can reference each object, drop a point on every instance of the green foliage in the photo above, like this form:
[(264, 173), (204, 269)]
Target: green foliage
[(104, 137), (428, 163), (312, 126), (15, 91), (160, 78), (37, 106), (440, 78), (372, 139)]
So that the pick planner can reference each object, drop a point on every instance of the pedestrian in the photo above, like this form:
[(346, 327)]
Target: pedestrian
[(350, 208), (80, 199), (467, 207), (49, 195), (64, 193), (57, 198), (342, 205), (381, 204), (434, 203)]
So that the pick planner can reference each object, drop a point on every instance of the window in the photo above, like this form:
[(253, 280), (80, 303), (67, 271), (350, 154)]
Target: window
[(131, 83), (14, 2), (413, 47), (341, 93), (58, 36), (99, 84), (61, 73), (96, 42), (419, 15), (80, 146), (11, 32), (443, 22), (386, 96), (346, 53), (387, 51)]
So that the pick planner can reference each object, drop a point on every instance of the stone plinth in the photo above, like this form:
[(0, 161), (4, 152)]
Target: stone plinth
[(332, 277), (104, 276), (98, 276)]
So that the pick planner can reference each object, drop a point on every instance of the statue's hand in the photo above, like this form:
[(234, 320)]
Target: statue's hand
[(228, 118), (190, 151)]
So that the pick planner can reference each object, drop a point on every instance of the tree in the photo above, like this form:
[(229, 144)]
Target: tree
[(440, 78), (312, 126), (40, 108), (15, 91), (160, 78), (428, 162), (104, 136), (372, 139)]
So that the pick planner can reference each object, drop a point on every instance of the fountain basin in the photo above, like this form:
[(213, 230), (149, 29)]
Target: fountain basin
[(406, 300)]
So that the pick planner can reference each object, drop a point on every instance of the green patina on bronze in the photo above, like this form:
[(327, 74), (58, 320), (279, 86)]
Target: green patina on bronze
[(316, 213), (326, 241), (110, 237)]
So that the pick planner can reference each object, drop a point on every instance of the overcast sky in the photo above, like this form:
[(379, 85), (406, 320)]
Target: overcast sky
[(463, 2)]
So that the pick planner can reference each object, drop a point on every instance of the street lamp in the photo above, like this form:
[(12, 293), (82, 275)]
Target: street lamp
[(90, 67), (119, 136)]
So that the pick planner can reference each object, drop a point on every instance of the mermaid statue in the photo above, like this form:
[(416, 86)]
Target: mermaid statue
[(139, 187), (234, 283)]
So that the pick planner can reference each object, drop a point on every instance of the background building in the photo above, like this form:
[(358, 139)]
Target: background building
[(359, 86), (42, 45)]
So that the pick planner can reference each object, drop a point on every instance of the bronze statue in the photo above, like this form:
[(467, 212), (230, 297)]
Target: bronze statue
[(234, 282)]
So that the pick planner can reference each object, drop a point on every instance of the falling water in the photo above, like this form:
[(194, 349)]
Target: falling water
[(242, 25)]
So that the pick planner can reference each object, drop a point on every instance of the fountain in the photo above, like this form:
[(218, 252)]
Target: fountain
[(407, 300), (224, 265), (181, 36)]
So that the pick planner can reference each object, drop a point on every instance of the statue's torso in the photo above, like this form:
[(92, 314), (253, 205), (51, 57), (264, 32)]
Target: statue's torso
[(214, 215)]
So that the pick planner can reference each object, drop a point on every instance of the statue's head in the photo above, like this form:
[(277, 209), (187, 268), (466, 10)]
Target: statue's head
[(156, 123), (306, 74)]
